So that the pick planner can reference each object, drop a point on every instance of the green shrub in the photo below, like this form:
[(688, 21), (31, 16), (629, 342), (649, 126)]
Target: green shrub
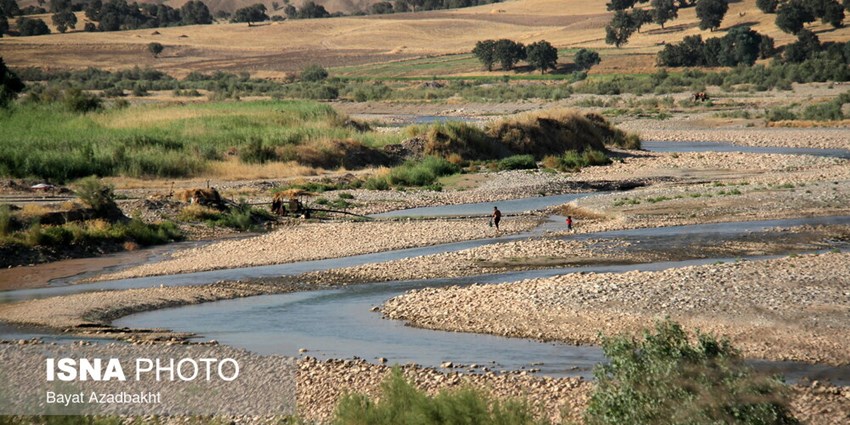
[(782, 113), (574, 160), (664, 378), (518, 162), (255, 153), (96, 194), (376, 183), (5, 219), (314, 73), (150, 234), (402, 403)]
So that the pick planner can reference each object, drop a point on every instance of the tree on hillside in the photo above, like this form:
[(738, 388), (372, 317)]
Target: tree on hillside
[(195, 12), (401, 6), (541, 55), (30, 27), (585, 59), (155, 49), (640, 17), (10, 85), (663, 11), (249, 14), (740, 46), (690, 52), (311, 10), (290, 11), (93, 10), (9, 8), (792, 16), (767, 6), (64, 20), (485, 51), (620, 29), (806, 47), (509, 52), (4, 25), (615, 5), (829, 12), (382, 8), (711, 13)]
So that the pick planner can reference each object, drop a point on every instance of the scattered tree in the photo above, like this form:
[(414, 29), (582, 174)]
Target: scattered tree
[(314, 73), (740, 46), (767, 47), (382, 8), (585, 59), (690, 52), (620, 29), (767, 6), (9, 8), (30, 27), (311, 10), (509, 52), (290, 11), (485, 51), (401, 6), (250, 14), (155, 49), (711, 13), (663, 11), (275, 5), (195, 12), (831, 13), (641, 17), (64, 20), (806, 47), (4, 25), (615, 5), (541, 55), (10, 85), (792, 16)]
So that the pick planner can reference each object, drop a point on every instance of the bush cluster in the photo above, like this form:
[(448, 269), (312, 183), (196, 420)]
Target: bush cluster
[(664, 378)]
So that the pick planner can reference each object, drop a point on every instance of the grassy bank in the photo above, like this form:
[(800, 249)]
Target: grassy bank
[(173, 140)]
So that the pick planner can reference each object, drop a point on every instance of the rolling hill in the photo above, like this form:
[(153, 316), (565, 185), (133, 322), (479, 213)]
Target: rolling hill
[(274, 49)]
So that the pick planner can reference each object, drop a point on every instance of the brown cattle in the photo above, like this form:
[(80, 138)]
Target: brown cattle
[(205, 197)]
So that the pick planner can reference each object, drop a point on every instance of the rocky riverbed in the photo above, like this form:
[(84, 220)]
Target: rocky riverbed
[(793, 308), (313, 241)]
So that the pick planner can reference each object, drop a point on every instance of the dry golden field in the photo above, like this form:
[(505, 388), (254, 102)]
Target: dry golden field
[(274, 49)]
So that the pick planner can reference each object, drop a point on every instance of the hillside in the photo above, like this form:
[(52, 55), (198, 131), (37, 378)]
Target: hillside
[(274, 49)]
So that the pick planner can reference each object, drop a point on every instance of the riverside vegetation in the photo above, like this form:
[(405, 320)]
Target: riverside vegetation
[(667, 376)]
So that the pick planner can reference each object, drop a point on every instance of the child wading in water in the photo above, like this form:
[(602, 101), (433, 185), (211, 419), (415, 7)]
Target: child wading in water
[(570, 223)]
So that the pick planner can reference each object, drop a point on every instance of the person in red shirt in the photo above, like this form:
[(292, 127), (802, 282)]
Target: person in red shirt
[(570, 223)]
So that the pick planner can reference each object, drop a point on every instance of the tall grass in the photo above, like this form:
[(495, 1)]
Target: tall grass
[(93, 233), (161, 140), (413, 173)]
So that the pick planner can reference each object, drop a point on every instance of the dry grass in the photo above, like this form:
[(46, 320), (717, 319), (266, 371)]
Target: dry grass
[(361, 40), (235, 170), (810, 124), (33, 210)]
